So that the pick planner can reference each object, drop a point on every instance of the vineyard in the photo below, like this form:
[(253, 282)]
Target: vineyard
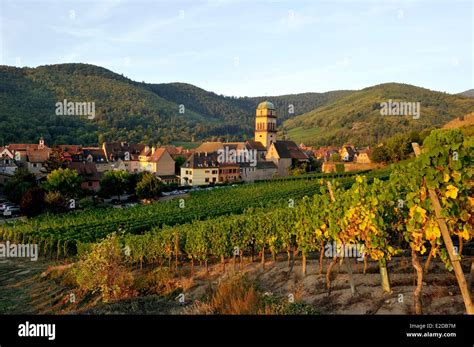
[(60, 233), (386, 217), (419, 209)]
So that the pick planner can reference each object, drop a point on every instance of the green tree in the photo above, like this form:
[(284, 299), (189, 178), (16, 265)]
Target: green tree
[(55, 202), (178, 162), (335, 157), (65, 181), (19, 184), (114, 183), (380, 155), (149, 187)]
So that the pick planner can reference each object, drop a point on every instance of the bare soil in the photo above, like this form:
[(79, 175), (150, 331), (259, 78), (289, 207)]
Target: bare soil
[(24, 290)]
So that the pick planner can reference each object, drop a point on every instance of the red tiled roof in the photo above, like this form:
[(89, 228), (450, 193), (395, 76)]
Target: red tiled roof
[(22, 146), (38, 155), (157, 154)]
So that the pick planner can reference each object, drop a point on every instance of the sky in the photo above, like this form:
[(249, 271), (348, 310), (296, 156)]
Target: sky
[(250, 47)]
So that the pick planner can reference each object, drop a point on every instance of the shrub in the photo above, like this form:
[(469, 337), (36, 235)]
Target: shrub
[(55, 202), (101, 271), (32, 202), (236, 295), (340, 168)]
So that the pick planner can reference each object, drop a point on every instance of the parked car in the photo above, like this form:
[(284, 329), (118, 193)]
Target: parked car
[(5, 205), (11, 211)]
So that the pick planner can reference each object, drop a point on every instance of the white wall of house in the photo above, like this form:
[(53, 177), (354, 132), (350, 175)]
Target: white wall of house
[(199, 176)]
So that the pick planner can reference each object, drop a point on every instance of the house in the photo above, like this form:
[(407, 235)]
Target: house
[(157, 161), (229, 172), (5, 153), (285, 155), (347, 153), (127, 153), (31, 156), (179, 151), (88, 172), (71, 152), (264, 170), (122, 150), (200, 169), (7, 165), (363, 156), (20, 150), (94, 155)]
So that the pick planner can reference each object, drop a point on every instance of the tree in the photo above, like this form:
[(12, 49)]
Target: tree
[(399, 146), (114, 183), (335, 157), (19, 184), (55, 202), (65, 181), (299, 169), (149, 187), (380, 155), (178, 162), (132, 182)]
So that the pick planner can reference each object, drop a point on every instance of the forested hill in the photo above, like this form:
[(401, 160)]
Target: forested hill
[(125, 109), (214, 105), (356, 118)]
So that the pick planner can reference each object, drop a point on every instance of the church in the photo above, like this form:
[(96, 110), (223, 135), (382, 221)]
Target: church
[(275, 158), (285, 154)]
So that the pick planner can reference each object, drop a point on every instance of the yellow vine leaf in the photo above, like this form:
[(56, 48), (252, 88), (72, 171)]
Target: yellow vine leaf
[(456, 176), (432, 231), (417, 209), (446, 177), (452, 192)]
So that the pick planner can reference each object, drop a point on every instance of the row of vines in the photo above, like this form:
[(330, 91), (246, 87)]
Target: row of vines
[(60, 233), (386, 217)]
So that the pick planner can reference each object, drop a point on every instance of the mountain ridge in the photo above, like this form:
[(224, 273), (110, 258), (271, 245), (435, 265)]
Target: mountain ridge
[(160, 113)]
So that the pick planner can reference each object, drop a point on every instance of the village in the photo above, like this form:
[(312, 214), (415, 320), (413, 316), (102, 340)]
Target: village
[(264, 158)]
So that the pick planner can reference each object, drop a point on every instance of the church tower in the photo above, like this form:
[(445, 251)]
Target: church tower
[(266, 124)]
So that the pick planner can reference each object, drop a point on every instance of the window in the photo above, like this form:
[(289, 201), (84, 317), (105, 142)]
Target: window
[(206, 179), (213, 179), (214, 172)]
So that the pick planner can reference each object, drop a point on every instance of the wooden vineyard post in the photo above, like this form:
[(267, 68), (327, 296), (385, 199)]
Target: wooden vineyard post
[(449, 244), (348, 265)]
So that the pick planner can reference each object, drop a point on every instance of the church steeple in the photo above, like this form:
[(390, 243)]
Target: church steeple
[(265, 124)]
